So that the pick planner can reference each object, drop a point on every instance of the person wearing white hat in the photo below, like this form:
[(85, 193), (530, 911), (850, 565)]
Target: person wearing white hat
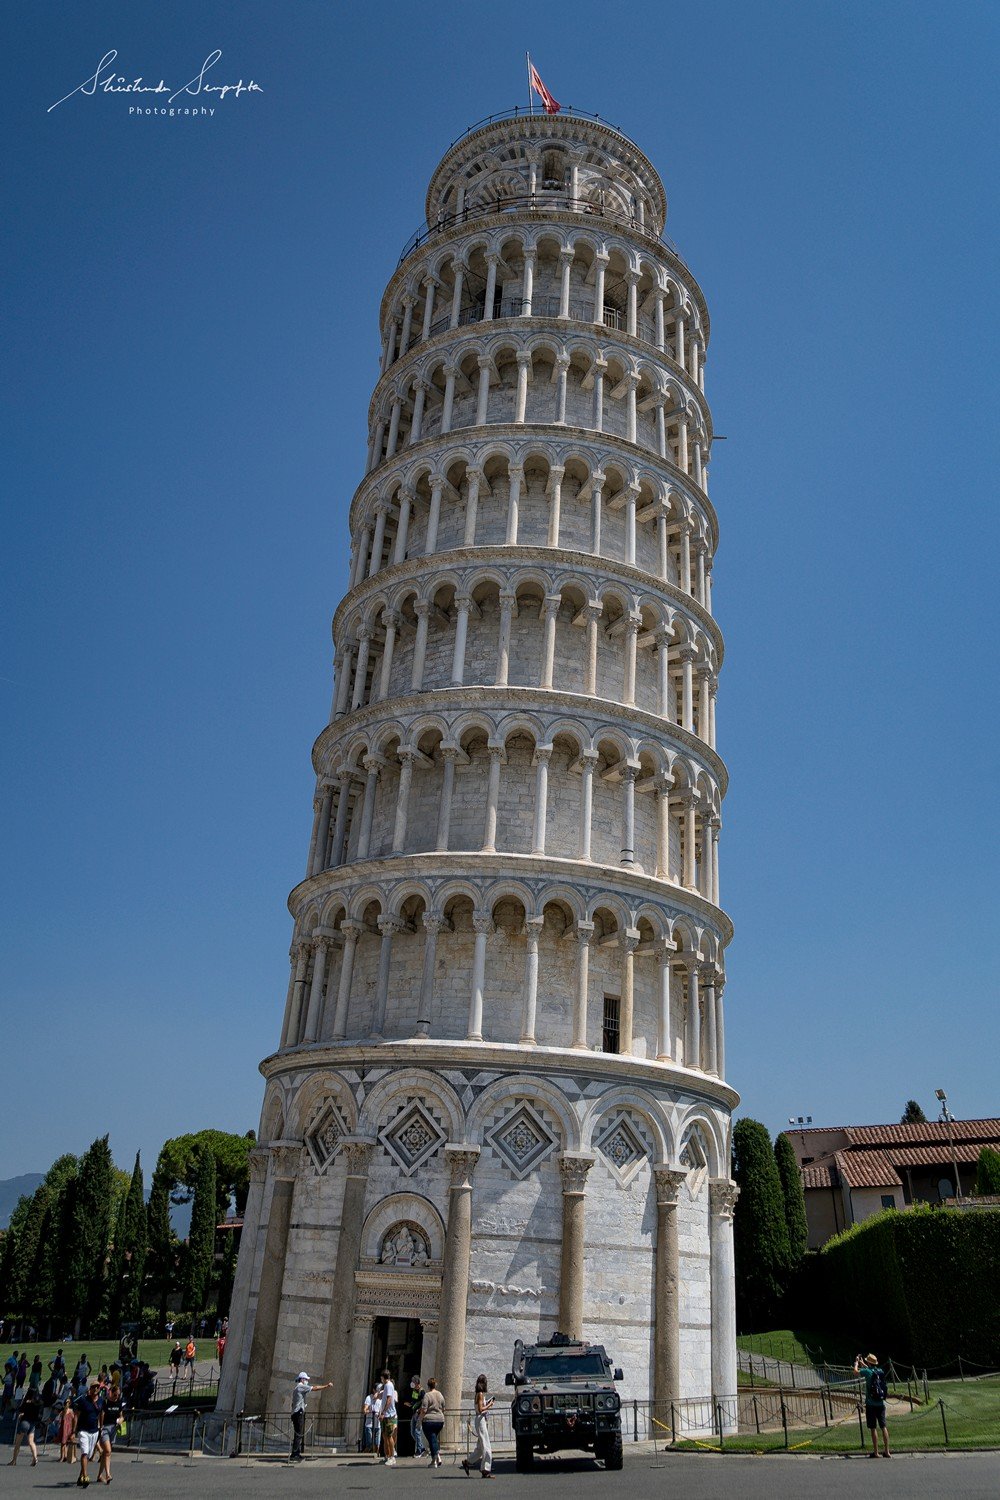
[(300, 1393)]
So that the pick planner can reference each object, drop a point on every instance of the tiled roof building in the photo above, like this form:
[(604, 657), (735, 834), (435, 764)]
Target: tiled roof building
[(852, 1171)]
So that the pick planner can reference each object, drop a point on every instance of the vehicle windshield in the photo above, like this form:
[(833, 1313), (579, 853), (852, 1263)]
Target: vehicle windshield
[(565, 1366)]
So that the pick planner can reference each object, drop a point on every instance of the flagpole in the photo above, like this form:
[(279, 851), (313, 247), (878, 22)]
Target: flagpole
[(527, 62)]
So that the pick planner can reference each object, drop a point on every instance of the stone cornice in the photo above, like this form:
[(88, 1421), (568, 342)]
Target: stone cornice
[(506, 1057), (476, 866), (440, 700), (538, 436), (565, 329)]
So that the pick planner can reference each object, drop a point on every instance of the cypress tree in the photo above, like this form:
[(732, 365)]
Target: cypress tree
[(760, 1231), (794, 1197), (988, 1173), (86, 1248), (201, 1238), (129, 1257), (32, 1228), (227, 1275), (913, 1114), (160, 1237)]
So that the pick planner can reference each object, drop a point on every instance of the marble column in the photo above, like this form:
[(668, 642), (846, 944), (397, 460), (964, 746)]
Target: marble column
[(529, 1001), (449, 756), (321, 944), (402, 528), (345, 779), (573, 1169), (496, 754), (232, 1377), (628, 941), (373, 765), (665, 950), (588, 760), (482, 922), (543, 754), (406, 755), (388, 927), (550, 609), (352, 931), (284, 1167), (461, 1159), (422, 611), (692, 1050), (722, 1205), (293, 1024), (666, 1300), (433, 922), (356, 1153), (556, 475), (584, 935)]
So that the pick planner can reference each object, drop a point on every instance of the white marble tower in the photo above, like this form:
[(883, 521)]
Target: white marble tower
[(498, 1105)]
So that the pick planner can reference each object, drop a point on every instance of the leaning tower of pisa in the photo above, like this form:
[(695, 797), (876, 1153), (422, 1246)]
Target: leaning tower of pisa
[(497, 1107)]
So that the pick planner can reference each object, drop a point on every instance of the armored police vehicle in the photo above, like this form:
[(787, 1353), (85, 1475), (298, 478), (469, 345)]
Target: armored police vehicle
[(565, 1398)]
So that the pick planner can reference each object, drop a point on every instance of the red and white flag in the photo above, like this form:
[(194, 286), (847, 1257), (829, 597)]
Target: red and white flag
[(552, 106)]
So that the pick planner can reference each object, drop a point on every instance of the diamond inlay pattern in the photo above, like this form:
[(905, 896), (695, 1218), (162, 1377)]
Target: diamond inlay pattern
[(323, 1138), (623, 1147), (522, 1140), (412, 1138)]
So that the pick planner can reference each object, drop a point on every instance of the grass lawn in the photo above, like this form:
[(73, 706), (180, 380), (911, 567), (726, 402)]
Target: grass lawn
[(104, 1351), (799, 1346), (971, 1410)]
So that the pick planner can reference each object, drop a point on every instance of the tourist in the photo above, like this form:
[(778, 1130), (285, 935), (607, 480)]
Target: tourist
[(81, 1374), (67, 1429), (22, 1372), (368, 1418), (176, 1355), (111, 1416), (876, 1392), (7, 1399), (88, 1428), (49, 1393), (58, 1368), (301, 1391), (415, 1398), (483, 1456), (190, 1353), (35, 1377), (220, 1348), (27, 1420), (387, 1419), (170, 1328), (432, 1420)]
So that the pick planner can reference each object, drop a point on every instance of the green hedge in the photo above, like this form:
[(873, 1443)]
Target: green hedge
[(920, 1285)]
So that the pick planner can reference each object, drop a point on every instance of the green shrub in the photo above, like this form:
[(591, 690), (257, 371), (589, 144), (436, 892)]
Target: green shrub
[(918, 1286)]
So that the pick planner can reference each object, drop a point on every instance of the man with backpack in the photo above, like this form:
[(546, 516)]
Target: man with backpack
[(876, 1395)]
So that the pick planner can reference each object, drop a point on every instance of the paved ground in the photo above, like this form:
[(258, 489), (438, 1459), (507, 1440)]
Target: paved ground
[(974, 1476)]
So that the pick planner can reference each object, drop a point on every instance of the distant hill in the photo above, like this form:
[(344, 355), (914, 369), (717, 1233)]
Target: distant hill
[(11, 1189)]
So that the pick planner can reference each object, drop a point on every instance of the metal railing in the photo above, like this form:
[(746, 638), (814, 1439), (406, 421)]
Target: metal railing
[(520, 112), (545, 200)]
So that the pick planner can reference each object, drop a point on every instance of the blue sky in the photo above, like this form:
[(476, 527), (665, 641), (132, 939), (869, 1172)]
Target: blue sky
[(191, 348)]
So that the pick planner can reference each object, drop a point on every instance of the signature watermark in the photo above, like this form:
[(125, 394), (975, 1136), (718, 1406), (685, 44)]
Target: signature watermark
[(105, 80)]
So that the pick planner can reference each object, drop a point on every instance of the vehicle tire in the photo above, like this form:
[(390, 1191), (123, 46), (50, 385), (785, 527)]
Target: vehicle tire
[(612, 1452), (524, 1454)]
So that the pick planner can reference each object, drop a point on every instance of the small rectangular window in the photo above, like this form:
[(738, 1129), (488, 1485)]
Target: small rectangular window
[(609, 1030), (888, 1201)]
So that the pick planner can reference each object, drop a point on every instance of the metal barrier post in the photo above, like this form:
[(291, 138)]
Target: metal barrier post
[(961, 1372), (861, 1429), (944, 1423), (784, 1420), (718, 1412), (673, 1423), (756, 1414), (635, 1421), (927, 1391)]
